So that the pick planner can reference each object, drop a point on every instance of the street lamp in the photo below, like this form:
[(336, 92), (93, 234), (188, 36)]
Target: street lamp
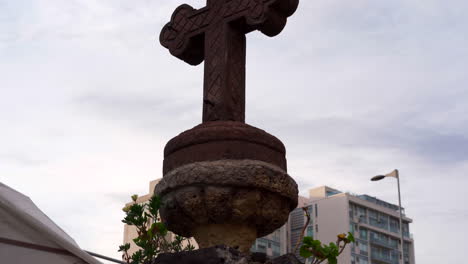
[(396, 175)]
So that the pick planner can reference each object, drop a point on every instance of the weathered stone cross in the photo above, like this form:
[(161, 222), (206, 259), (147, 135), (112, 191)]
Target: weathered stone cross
[(216, 34)]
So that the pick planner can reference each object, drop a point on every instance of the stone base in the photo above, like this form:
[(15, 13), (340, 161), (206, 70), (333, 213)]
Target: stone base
[(225, 183), (229, 202), (216, 234), (221, 255)]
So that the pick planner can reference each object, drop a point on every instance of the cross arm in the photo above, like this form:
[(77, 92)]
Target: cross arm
[(270, 16), (183, 34)]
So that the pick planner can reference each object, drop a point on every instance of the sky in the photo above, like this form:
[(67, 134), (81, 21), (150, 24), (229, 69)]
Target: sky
[(88, 99)]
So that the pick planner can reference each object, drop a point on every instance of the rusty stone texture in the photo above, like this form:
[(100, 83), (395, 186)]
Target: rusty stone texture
[(216, 34), (223, 140), (214, 196), (222, 255)]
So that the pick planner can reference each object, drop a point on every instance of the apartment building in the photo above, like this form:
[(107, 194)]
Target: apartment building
[(374, 223)]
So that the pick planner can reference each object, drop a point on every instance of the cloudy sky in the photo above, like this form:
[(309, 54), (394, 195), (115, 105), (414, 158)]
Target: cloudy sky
[(353, 88)]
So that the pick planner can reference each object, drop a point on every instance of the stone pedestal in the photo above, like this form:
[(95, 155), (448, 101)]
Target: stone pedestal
[(221, 255), (225, 183)]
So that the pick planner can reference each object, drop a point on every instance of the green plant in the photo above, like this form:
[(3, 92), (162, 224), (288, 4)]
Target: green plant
[(321, 252), (318, 251), (152, 233)]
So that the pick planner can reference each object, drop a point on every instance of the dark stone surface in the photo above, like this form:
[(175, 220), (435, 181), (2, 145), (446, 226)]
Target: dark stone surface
[(285, 259), (212, 255), (258, 257), (227, 191), (216, 34), (223, 140), (252, 197), (221, 255), (243, 173)]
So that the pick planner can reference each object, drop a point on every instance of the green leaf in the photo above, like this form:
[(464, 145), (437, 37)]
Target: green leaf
[(350, 237), (308, 240), (305, 252), (154, 205), (326, 250), (124, 248), (332, 260), (334, 251), (161, 228), (316, 244)]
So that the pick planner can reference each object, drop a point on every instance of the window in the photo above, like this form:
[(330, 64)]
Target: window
[(276, 235), (310, 231), (394, 225), (330, 193), (406, 247), (363, 233), (363, 248), (405, 229), (261, 246), (394, 242), (362, 210), (276, 250), (383, 221), (359, 260), (316, 211), (362, 214), (382, 254), (316, 228), (309, 210)]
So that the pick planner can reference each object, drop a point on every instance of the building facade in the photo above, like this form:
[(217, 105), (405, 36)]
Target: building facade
[(374, 223)]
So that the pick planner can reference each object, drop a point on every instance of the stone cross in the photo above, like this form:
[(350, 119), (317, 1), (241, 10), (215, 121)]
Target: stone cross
[(216, 34)]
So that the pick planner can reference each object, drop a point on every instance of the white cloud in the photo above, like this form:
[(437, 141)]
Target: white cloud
[(353, 88)]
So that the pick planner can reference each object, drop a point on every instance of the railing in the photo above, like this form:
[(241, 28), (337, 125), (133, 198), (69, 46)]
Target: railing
[(384, 258), (383, 243), (377, 223), (105, 257)]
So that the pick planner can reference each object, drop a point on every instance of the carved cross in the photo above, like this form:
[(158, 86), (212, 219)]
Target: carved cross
[(216, 34)]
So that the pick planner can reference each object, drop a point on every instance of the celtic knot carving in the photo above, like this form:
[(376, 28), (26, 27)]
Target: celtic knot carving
[(216, 34)]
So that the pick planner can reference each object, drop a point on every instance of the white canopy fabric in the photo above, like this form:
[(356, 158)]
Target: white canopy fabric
[(27, 235)]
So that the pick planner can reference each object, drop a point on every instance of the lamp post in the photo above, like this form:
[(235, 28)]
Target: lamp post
[(396, 175)]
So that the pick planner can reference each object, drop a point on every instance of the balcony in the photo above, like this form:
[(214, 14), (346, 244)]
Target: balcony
[(383, 243), (377, 223), (384, 258)]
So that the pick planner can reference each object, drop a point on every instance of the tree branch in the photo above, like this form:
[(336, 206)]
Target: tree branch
[(303, 229)]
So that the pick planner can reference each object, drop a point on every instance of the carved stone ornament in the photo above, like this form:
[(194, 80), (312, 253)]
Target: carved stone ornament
[(224, 182)]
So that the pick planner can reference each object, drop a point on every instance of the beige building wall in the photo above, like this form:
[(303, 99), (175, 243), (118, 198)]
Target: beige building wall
[(331, 219)]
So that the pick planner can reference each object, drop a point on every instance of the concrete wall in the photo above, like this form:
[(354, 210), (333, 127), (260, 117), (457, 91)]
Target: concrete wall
[(333, 219)]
